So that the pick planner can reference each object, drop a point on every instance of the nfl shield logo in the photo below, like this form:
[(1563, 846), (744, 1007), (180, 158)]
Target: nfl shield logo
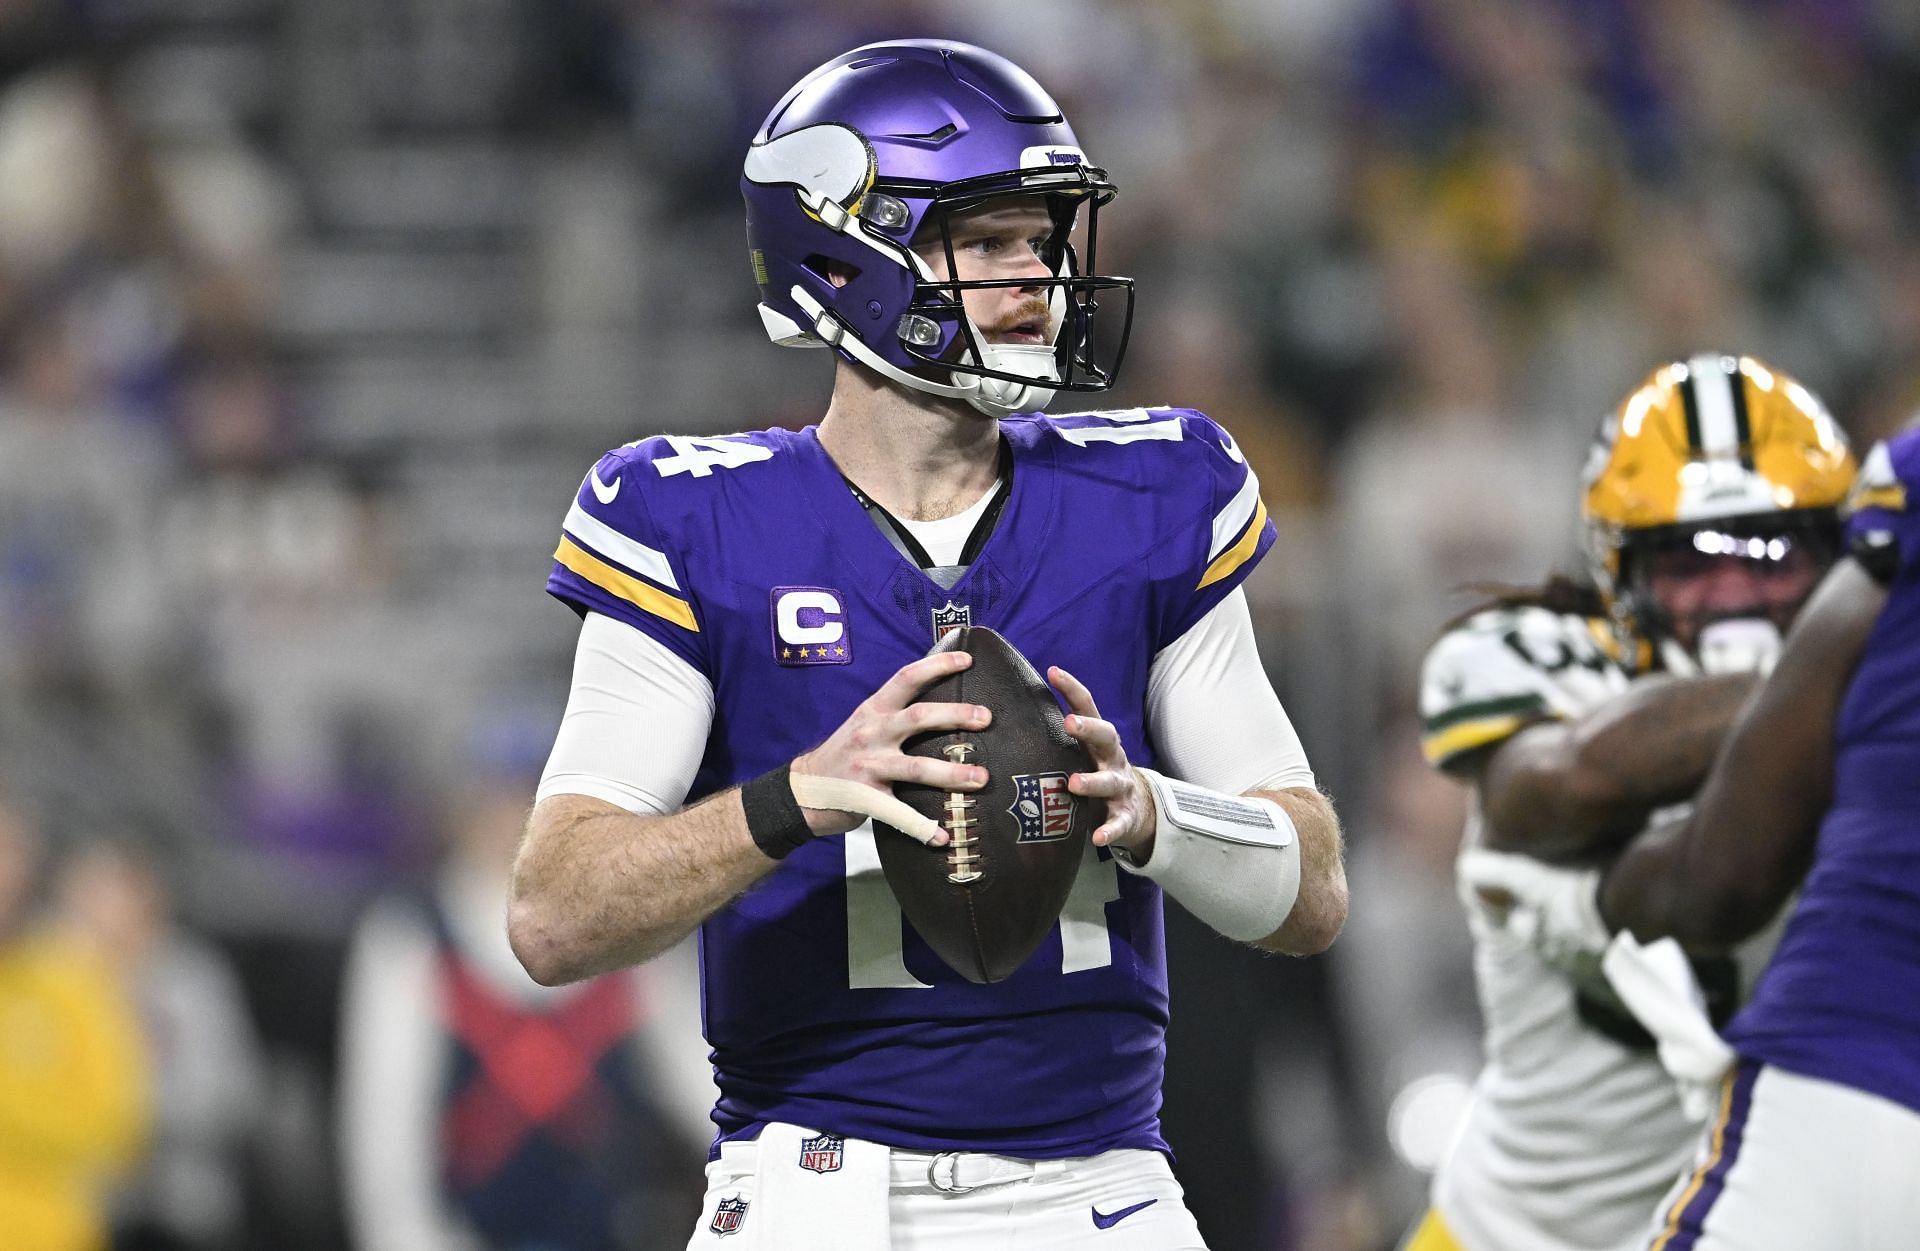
[(1043, 806), (727, 1216), (822, 1153), (952, 617)]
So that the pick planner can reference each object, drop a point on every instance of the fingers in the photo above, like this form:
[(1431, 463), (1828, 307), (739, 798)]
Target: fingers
[(1079, 698), (921, 718), (899, 690)]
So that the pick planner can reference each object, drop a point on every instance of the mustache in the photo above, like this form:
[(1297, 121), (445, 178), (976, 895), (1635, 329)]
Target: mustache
[(1035, 310)]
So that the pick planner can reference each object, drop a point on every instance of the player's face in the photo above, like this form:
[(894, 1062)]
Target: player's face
[(999, 240), (1715, 575)]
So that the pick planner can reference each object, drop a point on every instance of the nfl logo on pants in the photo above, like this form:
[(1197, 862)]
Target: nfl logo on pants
[(822, 1153), (728, 1215)]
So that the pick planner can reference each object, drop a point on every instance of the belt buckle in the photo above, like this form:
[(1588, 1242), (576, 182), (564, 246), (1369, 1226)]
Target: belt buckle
[(952, 1185)]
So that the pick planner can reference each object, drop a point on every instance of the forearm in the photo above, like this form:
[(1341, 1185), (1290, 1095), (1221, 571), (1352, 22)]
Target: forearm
[(597, 888), (1320, 910), (1654, 744), (1572, 790)]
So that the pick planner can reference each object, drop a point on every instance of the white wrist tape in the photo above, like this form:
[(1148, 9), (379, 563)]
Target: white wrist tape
[(1231, 860), (812, 791)]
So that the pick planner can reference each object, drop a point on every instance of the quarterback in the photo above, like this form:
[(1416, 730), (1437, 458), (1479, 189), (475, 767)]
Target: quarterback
[(1576, 713), (757, 609)]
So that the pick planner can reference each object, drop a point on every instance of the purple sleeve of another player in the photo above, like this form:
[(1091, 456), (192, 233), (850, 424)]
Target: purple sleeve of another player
[(1883, 512), (612, 559), (1225, 532)]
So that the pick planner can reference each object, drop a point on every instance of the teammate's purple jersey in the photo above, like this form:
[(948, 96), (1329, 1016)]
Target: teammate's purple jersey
[(749, 557), (1841, 1000)]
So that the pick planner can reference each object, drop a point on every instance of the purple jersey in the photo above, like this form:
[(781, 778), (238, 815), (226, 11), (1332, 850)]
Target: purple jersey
[(749, 557), (1841, 999)]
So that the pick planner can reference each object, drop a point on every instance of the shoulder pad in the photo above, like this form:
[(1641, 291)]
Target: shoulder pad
[(1505, 668)]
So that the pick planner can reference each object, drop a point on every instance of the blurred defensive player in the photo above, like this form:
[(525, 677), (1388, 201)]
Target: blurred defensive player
[(1576, 712), (1816, 1142), (757, 609)]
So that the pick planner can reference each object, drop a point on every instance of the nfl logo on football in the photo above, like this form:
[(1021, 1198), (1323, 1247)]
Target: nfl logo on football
[(1043, 806), (950, 618), (728, 1215), (822, 1153)]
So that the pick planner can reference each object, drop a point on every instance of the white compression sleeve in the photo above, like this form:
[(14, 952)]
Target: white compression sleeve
[(1213, 715), (636, 722), (1232, 862)]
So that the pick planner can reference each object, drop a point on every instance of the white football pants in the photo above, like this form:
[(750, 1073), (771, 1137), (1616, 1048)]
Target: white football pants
[(858, 1196), (1791, 1163)]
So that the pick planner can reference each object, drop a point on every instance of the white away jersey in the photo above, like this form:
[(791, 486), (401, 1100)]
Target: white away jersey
[(1575, 1130)]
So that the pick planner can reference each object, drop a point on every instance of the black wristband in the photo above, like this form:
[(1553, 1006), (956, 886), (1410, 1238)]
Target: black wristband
[(774, 818)]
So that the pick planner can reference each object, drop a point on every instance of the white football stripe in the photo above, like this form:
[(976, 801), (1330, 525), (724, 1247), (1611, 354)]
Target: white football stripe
[(1235, 516), (614, 545), (1713, 389)]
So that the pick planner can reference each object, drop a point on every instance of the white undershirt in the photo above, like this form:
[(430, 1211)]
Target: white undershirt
[(945, 539), (638, 715)]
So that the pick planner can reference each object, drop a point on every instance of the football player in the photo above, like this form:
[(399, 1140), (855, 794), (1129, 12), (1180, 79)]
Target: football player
[(1816, 1140), (757, 608), (1578, 711)]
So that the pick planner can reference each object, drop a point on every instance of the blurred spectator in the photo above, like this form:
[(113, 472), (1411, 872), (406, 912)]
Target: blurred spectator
[(207, 1069), (73, 1081), (479, 1110)]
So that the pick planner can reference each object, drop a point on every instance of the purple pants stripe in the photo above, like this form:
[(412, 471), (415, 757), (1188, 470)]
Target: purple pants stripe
[(1688, 1216)]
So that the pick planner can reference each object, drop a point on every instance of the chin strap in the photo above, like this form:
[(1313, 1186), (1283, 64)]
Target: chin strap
[(995, 397)]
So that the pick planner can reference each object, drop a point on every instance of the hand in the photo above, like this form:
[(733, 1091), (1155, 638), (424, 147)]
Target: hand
[(1556, 911), (866, 748), (1131, 817)]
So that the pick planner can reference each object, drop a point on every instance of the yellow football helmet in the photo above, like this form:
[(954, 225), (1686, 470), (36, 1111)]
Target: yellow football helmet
[(1716, 456)]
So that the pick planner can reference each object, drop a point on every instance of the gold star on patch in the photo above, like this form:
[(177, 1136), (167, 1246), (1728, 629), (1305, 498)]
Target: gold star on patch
[(839, 651), (803, 653), (786, 653)]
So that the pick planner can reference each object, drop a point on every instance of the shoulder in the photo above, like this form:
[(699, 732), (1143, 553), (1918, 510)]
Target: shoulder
[(1186, 459), (1880, 510), (1503, 668)]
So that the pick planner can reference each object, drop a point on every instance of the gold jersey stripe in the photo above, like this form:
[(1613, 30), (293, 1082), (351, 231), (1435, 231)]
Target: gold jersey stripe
[(1433, 1235), (1455, 739), (1239, 553), (1892, 498), (626, 586), (1707, 1166)]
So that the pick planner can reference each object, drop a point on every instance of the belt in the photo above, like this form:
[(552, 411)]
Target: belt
[(957, 1172)]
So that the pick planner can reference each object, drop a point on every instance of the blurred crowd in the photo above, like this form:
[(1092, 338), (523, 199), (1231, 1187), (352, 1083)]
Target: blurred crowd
[(311, 314)]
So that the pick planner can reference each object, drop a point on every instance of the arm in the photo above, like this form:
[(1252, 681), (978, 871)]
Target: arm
[(1720, 875), (1563, 790), (1219, 725), (1320, 910), (597, 886)]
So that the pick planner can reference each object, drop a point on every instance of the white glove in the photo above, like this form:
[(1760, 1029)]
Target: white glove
[(1556, 911)]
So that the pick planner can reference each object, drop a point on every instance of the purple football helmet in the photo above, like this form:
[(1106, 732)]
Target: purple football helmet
[(873, 151)]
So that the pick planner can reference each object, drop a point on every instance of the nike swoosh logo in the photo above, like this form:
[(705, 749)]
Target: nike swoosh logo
[(1109, 1219), (601, 491)]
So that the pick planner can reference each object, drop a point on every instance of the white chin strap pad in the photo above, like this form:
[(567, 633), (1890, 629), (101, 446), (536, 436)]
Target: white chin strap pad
[(840, 795), (999, 398), (1232, 861)]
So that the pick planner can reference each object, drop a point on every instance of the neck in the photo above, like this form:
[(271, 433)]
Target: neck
[(922, 457)]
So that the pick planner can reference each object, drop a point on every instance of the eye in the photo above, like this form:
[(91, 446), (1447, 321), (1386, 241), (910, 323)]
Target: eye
[(986, 245)]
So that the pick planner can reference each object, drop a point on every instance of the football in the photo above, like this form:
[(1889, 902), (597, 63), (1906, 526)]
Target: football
[(987, 900)]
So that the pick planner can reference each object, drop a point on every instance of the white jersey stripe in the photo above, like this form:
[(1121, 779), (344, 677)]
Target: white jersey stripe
[(609, 542), (1234, 517), (1713, 390)]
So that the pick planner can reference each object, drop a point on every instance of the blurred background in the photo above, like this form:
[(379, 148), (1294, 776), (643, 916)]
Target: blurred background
[(312, 314)]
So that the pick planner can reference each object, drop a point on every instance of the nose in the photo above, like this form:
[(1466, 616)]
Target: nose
[(1731, 584)]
